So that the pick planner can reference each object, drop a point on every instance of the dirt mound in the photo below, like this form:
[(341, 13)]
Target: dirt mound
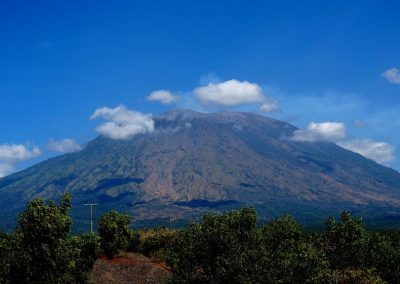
[(129, 268)]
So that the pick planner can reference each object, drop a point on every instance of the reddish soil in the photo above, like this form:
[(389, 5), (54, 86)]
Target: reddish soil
[(129, 268)]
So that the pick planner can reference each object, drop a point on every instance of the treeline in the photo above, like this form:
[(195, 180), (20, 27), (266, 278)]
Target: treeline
[(231, 248), (227, 248)]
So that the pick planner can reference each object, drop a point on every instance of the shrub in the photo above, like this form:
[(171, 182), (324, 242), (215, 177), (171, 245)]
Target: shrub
[(40, 250), (85, 250), (154, 242), (346, 242), (134, 241), (41, 253), (220, 249), (114, 233)]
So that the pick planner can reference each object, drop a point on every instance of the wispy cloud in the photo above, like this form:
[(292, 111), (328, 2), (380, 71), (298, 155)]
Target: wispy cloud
[(380, 152), (163, 96), (234, 93), (323, 131), (66, 145), (17, 152), (122, 123), (359, 123), (392, 75), (210, 77), (10, 154), (5, 169)]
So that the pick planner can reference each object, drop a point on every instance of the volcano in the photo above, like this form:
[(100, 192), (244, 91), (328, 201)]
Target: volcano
[(200, 162)]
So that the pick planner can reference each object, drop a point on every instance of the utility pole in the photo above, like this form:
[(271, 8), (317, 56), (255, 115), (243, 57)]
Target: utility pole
[(91, 214)]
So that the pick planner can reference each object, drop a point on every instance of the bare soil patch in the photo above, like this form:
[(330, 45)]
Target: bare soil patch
[(129, 268)]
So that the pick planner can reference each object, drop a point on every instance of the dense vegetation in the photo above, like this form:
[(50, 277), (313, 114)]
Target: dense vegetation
[(231, 248), (228, 248), (40, 250)]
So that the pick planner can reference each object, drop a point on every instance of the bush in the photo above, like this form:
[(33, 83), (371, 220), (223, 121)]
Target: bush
[(289, 257), (114, 233), (351, 276), (346, 242), (40, 249), (154, 242), (85, 250), (134, 241), (42, 254), (220, 249)]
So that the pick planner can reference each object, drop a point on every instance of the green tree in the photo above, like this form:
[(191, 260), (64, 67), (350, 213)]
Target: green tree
[(289, 257), (220, 249), (384, 256), (85, 250), (4, 257), (40, 250), (114, 233), (41, 237), (346, 242)]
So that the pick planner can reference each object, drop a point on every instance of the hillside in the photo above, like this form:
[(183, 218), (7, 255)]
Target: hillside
[(195, 162)]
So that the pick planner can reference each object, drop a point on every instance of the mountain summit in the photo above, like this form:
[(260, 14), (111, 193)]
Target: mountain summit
[(195, 162)]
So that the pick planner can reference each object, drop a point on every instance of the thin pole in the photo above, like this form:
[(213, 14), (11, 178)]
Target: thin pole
[(91, 214)]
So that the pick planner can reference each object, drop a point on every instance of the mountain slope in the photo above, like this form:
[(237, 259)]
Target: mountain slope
[(195, 162)]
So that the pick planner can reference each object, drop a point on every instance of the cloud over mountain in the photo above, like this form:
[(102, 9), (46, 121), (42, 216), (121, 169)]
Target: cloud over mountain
[(380, 152), (66, 145), (122, 123), (5, 169), (163, 97), (13, 153), (17, 152), (323, 131), (234, 93)]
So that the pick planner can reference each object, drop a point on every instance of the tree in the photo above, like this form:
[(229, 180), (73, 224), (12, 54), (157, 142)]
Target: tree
[(346, 242), (40, 249), (85, 250), (41, 234), (114, 233), (288, 256), (220, 249)]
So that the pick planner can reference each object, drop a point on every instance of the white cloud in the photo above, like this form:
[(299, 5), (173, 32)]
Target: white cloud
[(17, 152), (392, 75), (66, 145), (234, 93), (5, 169), (324, 131), (269, 105), (122, 123), (13, 153), (163, 96), (380, 152)]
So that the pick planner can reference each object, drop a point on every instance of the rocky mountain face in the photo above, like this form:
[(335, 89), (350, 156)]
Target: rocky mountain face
[(196, 162)]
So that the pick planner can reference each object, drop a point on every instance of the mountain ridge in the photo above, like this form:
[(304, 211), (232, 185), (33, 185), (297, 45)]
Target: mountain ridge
[(195, 162)]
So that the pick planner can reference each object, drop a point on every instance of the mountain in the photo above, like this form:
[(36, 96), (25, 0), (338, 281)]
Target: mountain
[(195, 162)]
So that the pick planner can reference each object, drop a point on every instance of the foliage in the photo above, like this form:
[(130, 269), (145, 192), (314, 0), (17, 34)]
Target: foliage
[(114, 233), (288, 256), (42, 233), (351, 276), (153, 242), (227, 248), (40, 249), (230, 248), (346, 242), (134, 241), (86, 249), (220, 249)]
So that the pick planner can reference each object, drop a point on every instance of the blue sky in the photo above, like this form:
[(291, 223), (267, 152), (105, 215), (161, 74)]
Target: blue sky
[(318, 61)]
